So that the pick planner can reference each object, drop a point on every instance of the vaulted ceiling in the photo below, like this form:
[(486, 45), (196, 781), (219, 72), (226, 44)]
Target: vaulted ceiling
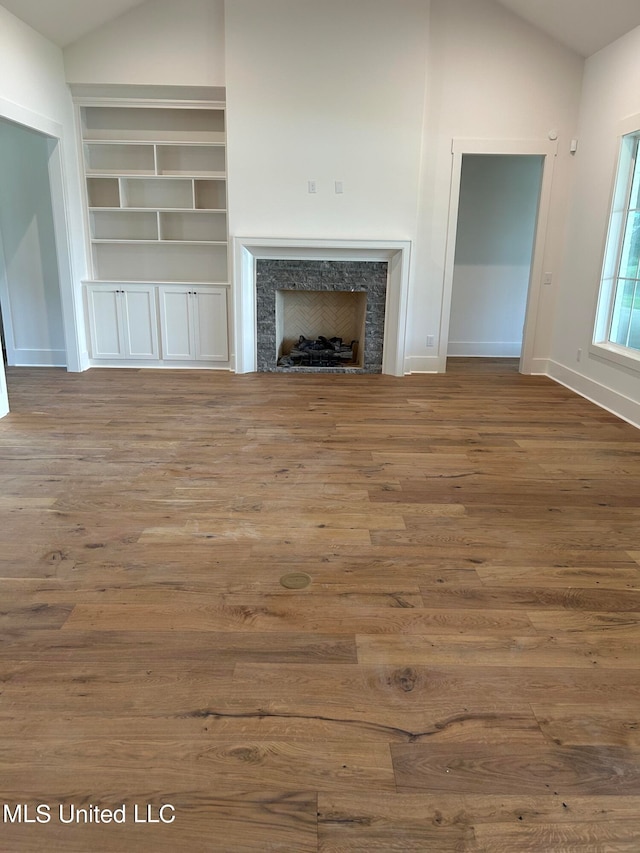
[(583, 25)]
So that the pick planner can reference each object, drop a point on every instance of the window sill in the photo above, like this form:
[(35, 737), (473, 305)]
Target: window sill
[(619, 355)]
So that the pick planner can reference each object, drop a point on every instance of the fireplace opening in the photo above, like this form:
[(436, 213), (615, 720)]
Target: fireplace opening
[(320, 328), (317, 301)]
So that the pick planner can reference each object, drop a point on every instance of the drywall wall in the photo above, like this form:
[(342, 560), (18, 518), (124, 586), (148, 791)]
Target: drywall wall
[(496, 227), (161, 42), (611, 93), (325, 92), (491, 76), (33, 93), (29, 282)]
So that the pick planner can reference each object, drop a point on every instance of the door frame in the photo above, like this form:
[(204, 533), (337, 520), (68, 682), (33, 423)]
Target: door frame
[(545, 148)]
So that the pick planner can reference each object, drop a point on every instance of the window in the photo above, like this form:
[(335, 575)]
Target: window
[(617, 332)]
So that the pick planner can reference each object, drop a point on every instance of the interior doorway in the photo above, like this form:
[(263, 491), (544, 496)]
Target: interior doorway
[(30, 296), (497, 214), (500, 195)]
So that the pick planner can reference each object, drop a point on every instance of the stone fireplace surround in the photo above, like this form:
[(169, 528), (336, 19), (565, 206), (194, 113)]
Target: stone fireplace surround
[(248, 251)]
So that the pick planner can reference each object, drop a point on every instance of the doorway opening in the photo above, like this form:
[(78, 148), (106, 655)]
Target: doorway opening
[(30, 297), (500, 195), (497, 214)]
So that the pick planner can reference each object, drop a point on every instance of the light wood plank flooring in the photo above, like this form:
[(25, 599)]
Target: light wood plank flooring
[(462, 673)]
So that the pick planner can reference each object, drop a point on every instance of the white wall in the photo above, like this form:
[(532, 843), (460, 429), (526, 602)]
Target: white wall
[(330, 91), (161, 42), (496, 226), (29, 281), (491, 76), (33, 92), (611, 93)]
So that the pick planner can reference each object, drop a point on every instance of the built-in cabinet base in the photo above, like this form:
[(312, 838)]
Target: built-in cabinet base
[(166, 324)]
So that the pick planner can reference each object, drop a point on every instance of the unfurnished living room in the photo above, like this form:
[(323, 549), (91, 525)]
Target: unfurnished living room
[(320, 426)]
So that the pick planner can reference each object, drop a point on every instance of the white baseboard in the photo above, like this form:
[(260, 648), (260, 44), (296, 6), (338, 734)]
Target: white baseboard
[(618, 404), (484, 349), (37, 358), (540, 366), (422, 364)]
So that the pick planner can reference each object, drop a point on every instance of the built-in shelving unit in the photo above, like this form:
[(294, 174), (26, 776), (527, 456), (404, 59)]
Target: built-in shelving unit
[(154, 166)]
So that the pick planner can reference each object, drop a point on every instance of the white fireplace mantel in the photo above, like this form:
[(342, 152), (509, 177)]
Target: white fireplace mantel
[(248, 250)]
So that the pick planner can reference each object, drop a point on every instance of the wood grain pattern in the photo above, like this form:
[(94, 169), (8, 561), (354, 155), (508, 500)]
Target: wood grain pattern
[(461, 675)]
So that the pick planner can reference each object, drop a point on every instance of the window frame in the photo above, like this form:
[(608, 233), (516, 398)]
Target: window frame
[(628, 157)]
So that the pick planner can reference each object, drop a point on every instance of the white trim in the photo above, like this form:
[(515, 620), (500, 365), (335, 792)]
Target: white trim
[(484, 349), (623, 356), (247, 250), (612, 401), (536, 147), (21, 115), (630, 124), (422, 364), (38, 358)]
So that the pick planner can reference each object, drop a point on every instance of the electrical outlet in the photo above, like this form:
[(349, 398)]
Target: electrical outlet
[(313, 187), (579, 355)]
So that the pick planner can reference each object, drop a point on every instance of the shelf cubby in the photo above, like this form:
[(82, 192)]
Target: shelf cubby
[(162, 124), (194, 225), (119, 159), (124, 225), (210, 194), (175, 261), (204, 160), (157, 193), (103, 192)]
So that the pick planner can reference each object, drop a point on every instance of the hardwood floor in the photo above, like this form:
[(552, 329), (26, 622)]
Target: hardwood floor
[(461, 674)]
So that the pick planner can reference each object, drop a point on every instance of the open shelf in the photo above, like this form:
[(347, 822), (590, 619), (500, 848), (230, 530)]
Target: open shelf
[(124, 225), (153, 124), (103, 192), (196, 160), (194, 225), (210, 194), (170, 261), (157, 193), (118, 159)]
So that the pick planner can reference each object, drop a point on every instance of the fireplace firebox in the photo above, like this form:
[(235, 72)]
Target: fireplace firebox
[(314, 303)]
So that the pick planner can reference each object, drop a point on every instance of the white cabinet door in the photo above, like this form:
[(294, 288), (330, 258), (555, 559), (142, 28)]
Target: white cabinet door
[(105, 323), (193, 323), (176, 322), (123, 321), (140, 321), (210, 317)]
